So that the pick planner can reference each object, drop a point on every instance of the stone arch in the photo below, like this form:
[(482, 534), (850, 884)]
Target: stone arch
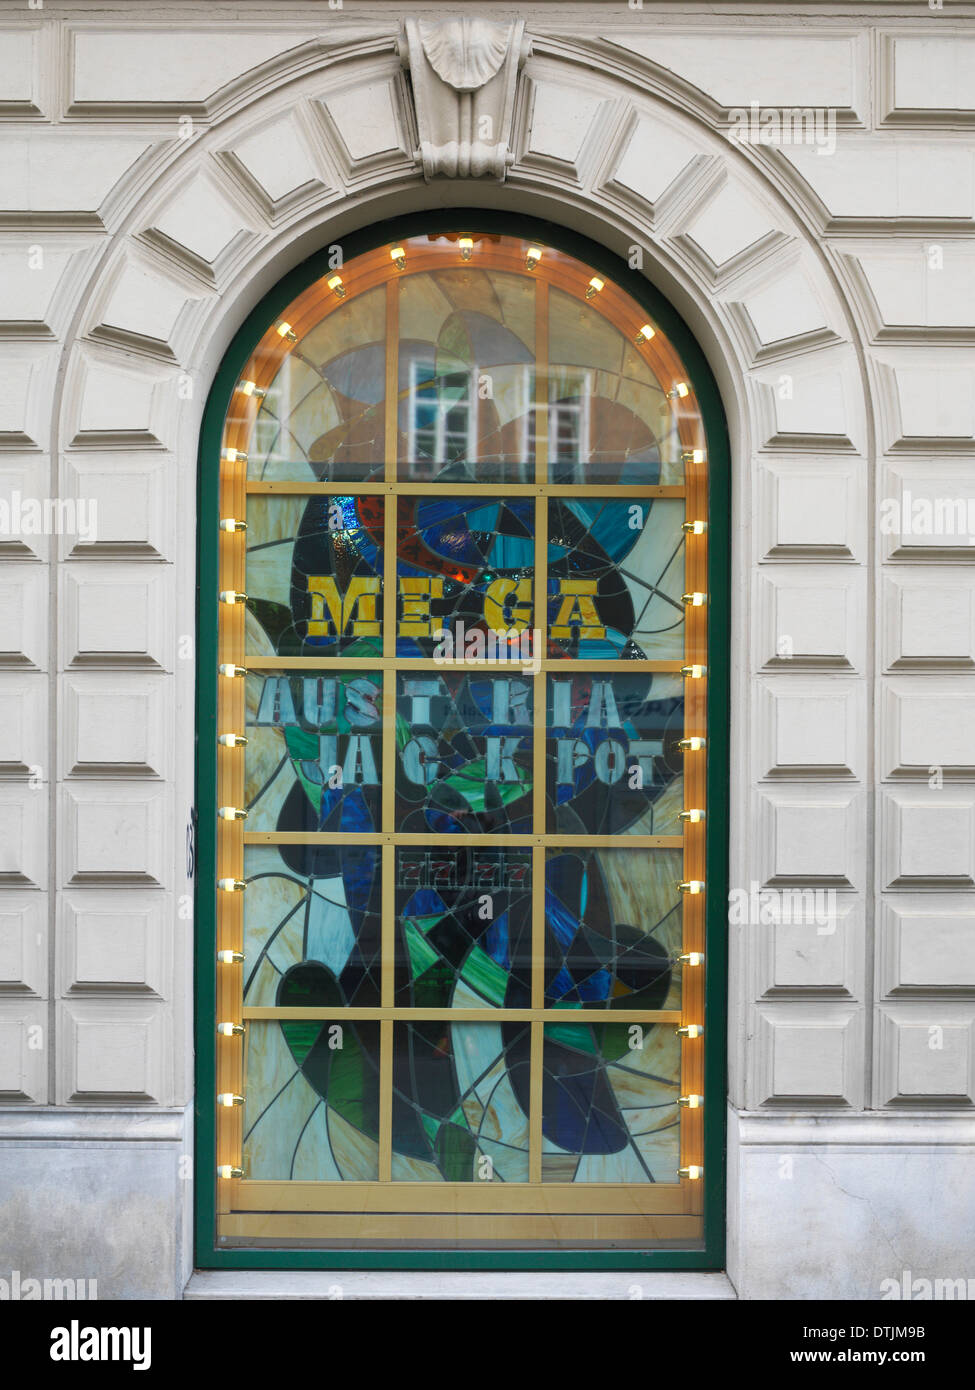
[(297, 153)]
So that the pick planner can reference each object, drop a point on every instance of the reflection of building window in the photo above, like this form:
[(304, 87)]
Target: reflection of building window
[(568, 424), (442, 418), (525, 414)]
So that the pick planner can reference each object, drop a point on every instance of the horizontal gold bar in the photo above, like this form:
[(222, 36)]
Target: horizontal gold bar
[(363, 1227), (379, 487), (260, 662), (258, 1013), (349, 837), (313, 837), (633, 1199)]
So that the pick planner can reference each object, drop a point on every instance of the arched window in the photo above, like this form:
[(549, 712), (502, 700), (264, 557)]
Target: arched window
[(454, 785)]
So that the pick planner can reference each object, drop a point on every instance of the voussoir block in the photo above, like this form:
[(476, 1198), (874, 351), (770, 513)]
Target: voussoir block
[(810, 835), (24, 812), (117, 725), (809, 727), (928, 619), (811, 509), (123, 505), (809, 618)]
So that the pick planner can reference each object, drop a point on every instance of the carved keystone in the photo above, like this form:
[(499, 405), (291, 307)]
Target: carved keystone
[(464, 74)]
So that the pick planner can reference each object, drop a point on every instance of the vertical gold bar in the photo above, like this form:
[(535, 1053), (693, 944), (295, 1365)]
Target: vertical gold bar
[(535, 1106), (390, 587), (391, 432), (540, 647), (386, 1100), (538, 927), (539, 706), (541, 381)]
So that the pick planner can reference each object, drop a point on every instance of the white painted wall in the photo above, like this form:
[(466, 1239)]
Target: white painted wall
[(834, 294)]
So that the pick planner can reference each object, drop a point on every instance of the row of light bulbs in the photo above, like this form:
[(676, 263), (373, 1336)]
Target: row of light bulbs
[(694, 815), (397, 254), (230, 455), (227, 1028)]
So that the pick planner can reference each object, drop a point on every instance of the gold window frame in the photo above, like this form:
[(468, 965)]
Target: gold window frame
[(341, 1214)]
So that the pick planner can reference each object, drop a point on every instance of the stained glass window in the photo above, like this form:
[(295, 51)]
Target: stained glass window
[(461, 771)]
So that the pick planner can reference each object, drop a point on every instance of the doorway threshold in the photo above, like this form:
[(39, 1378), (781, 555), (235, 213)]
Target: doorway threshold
[(660, 1286)]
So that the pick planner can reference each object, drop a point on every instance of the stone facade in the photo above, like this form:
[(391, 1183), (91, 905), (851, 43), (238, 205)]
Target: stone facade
[(161, 167)]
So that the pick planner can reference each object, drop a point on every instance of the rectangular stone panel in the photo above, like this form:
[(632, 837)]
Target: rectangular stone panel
[(113, 1052)]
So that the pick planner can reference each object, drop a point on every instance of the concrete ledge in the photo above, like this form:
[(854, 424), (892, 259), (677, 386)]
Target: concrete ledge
[(131, 1124), (234, 1285)]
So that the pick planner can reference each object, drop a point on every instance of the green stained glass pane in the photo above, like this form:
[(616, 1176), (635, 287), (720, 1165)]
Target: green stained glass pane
[(460, 1102), (463, 932), (312, 1106), (467, 764), (485, 975), (299, 1037), (422, 956)]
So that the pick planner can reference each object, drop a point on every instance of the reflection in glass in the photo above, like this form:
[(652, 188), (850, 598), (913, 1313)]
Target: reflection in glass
[(467, 352), (322, 418), (609, 417)]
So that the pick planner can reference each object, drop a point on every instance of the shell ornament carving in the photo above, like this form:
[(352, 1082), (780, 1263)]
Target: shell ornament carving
[(464, 53)]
